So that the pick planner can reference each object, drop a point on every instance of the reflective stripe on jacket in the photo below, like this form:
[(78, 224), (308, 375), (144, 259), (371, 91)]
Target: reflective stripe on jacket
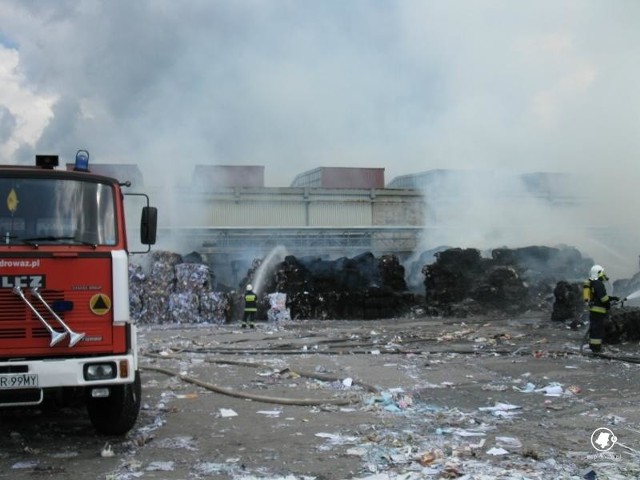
[(250, 302)]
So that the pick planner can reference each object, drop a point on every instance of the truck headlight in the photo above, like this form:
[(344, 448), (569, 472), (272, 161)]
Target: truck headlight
[(100, 371)]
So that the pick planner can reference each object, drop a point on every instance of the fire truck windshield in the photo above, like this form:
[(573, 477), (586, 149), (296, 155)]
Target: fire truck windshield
[(56, 211)]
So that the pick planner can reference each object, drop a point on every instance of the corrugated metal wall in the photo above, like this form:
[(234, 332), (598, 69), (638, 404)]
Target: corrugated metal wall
[(340, 214), (258, 214), (290, 207), (399, 210)]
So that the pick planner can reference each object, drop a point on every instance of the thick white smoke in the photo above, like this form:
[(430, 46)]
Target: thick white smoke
[(405, 85)]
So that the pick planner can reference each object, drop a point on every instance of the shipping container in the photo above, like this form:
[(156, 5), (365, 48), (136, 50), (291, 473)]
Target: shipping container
[(340, 177), (221, 176)]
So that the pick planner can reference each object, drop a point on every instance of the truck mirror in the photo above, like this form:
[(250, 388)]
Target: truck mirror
[(148, 225)]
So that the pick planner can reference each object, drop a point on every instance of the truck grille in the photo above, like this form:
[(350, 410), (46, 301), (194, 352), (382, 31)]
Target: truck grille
[(12, 307), (17, 321), (23, 334)]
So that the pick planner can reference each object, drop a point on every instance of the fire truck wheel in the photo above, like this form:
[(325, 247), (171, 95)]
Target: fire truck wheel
[(116, 414)]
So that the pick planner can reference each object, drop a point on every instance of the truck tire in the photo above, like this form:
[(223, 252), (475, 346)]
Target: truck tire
[(116, 414)]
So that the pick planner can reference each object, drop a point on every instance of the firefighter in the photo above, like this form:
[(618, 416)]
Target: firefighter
[(599, 304), (250, 307)]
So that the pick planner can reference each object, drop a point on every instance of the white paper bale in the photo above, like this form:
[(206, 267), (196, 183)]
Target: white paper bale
[(278, 311), (184, 308), (156, 307), (191, 277), (137, 280), (214, 307)]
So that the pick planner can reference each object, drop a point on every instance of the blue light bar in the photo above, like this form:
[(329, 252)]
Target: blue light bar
[(82, 161)]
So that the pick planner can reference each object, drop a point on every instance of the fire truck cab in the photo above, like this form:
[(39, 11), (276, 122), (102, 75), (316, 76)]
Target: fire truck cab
[(64, 290)]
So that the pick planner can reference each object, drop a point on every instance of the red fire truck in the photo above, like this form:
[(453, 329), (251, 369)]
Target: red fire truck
[(65, 326)]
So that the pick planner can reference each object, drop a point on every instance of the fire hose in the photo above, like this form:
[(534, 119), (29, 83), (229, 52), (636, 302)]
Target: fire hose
[(260, 398)]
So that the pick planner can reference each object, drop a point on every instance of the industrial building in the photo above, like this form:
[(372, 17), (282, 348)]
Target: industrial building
[(231, 226), (229, 217)]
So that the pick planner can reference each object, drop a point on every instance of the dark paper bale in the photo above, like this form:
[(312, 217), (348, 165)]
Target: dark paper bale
[(568, 303), (511, 280), (623, 325), (360, 287)]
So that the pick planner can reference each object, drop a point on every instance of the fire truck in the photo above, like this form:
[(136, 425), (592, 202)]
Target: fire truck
[(65, 327)]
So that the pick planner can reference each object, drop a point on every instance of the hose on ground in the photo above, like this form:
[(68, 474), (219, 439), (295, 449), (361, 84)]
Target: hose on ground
[(316, 376), (258, 398)]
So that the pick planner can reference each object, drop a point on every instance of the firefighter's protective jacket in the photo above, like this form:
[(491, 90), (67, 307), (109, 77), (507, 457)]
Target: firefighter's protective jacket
[(250, 301), (600, 301)]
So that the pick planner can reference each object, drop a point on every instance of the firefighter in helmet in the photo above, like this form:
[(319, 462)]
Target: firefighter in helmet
[(250, 307), (599, 303)]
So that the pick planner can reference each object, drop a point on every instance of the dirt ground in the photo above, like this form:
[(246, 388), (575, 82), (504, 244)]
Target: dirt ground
[(479, 398)]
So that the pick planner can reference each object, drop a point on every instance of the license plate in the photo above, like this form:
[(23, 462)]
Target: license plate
[(18, 380)]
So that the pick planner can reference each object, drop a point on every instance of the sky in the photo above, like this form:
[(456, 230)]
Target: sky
[(404, 85)]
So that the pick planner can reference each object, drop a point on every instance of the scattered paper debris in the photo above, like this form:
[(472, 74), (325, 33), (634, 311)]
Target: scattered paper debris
[(497, 451), (227, 412)]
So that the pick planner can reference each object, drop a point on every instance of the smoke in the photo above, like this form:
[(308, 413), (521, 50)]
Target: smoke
[(500, 208), (404, 85), (493, 209)]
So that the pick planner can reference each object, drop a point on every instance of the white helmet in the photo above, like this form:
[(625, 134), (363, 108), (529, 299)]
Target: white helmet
[(596, 272), (249, 287)]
